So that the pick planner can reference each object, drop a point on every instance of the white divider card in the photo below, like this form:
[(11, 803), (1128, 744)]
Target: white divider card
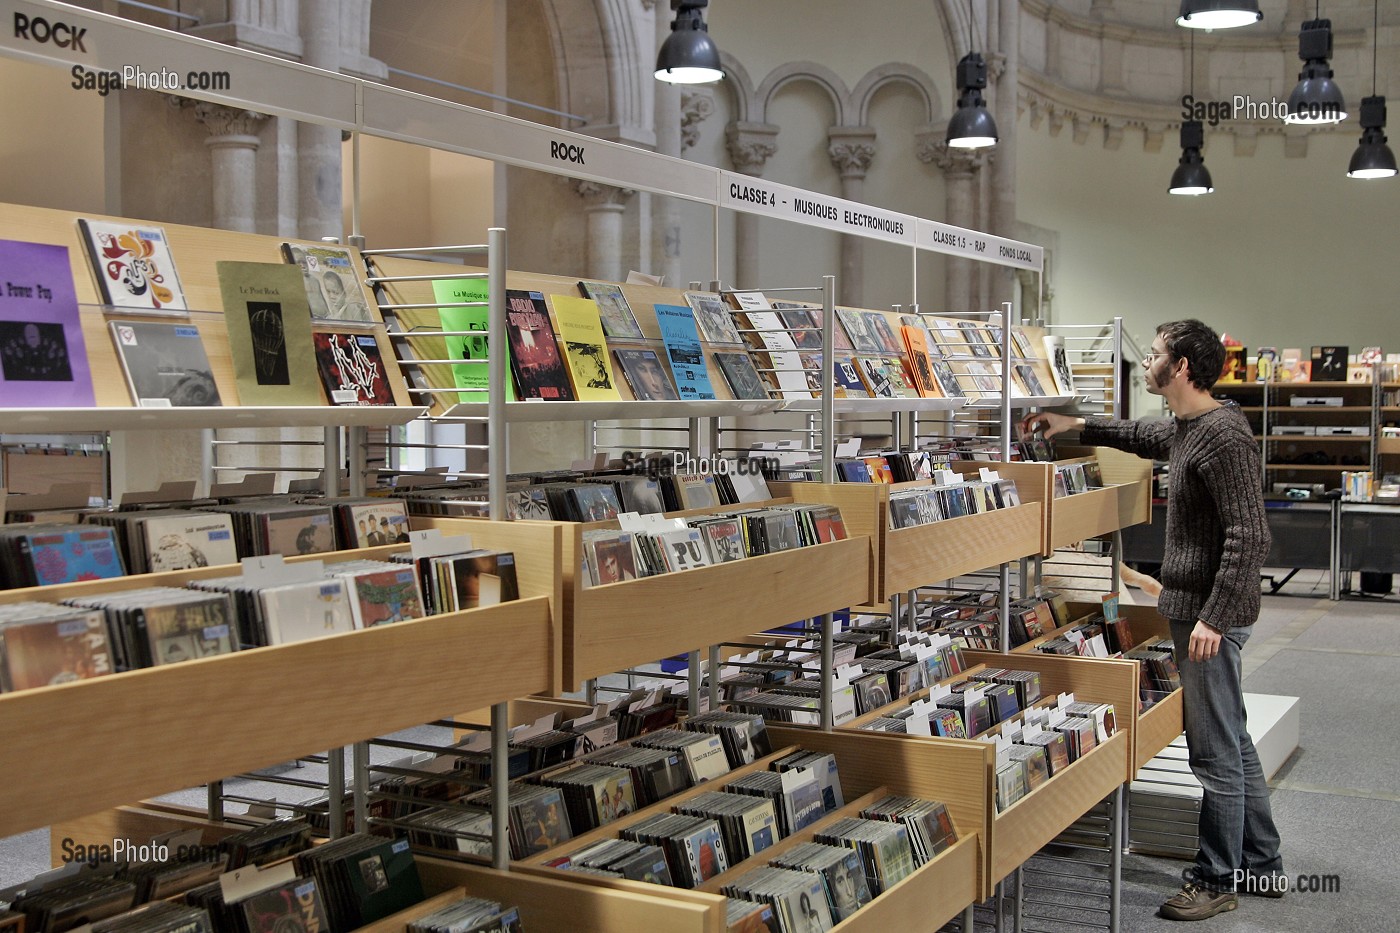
[(843, 704), (1063, 700), (752, 301), (540, 726), (988, 476), (630, 521), (1003, 749), (1030, 731), (1056, 716), (262, 810), (1012, 730), (583, 720), (938, 692), (843, 653), (849, 448), (918, 722), (1096, 647), (972, 696), (651, 698), (431, 542), (946, 478), (941, 640), (1076, 638), (271, 570), (1037, 716), (242, 883)]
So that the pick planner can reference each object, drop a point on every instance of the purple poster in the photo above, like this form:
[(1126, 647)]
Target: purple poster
[(43, 362)]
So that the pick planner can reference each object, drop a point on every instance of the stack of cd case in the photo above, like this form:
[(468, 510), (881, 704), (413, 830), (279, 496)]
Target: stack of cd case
[(744, 735), (657, 773), (594, 795), (798, 898), (883, 847), (622, 858), (749, 823), (840, 871), (929, 825), (694, 846), (163, 625), (469, 915)]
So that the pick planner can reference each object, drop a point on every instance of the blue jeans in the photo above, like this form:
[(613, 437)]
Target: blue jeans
[(1236, 825)]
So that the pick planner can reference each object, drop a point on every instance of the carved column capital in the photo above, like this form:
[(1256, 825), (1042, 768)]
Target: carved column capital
[(851, 150), (226, 125), (598, 196), (696, 107), (751, 145), (648, 5), (952, 160)]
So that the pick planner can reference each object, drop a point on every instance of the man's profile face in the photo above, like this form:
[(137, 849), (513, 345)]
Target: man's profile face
[(1158, 366), (31, 335)]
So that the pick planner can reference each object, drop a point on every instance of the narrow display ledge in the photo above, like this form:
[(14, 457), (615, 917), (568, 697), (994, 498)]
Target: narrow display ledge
[(526, 412), (855, 406), (96, 420), (110, 740), (1029, 401)]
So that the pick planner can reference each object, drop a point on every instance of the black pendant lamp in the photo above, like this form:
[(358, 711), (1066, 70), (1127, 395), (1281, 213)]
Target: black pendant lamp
[(1191, 176), (972, 126), (1317, 100), (1218, 14), (1373, 158), (689, 55)]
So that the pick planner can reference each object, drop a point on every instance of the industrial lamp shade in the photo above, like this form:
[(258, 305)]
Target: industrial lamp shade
[(1317, 99), (1218, 14), (1191, 176), (689, 55), (972, 126), (1372, 158)]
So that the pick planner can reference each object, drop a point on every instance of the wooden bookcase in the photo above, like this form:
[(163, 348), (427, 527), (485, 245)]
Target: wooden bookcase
[(906, 558)]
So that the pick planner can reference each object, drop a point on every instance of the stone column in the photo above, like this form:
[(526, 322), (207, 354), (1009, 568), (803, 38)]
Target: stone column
[(233, 146), (851, 149), (751, 145), (604, 206), (318, 147), (960, 169)]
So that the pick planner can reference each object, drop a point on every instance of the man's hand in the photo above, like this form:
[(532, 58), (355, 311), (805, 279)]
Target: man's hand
[(1205, 642), (1049, 423)]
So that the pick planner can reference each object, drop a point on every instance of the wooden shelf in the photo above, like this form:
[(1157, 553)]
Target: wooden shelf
[(906, 558), (1388, 445), (110, 740)]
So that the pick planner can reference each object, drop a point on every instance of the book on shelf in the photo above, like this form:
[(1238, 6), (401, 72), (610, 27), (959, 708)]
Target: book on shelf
[(714, 318), (585, 348), (164, 364), (534, 355), (916, 345), (473, 377), (1059, 364), (331, 279), (133, 265), (352, 369), (684, 352), (269, 333), (1236, 365), (645, 374), (1329, 364), (43, 358), (613, 309)]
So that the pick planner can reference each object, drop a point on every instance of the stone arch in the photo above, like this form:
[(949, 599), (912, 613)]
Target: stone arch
[(598, 66), (740, 87), (894, 73), (811, 72)]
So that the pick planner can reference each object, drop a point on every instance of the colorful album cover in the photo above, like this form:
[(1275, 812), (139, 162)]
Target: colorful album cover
[(352, 369), (332, 282), (613, 309), (858, 331), (87, 552), (194, 628), (613, 560), (714, 318), (164, 364), (473, 375), (41, 652), (534, 355), (194, 539), (379, 523), (43, 359), (646, 374), (683, 351), (585, 348), (133, 265), (294, 907), (381, 597)]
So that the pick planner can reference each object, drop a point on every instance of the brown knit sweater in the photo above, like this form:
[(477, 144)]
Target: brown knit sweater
[(1217, 533)]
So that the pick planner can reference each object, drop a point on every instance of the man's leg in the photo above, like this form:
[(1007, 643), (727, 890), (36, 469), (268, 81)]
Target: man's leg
[(1260, 853)]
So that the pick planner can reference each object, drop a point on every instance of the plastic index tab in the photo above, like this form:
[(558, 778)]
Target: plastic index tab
[(431, 542), (271, 570)]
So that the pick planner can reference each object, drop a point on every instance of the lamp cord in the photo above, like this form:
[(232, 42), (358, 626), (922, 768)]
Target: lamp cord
[(1375, 41)]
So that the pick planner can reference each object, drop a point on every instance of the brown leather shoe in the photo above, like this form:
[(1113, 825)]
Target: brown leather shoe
[(1194, 902)]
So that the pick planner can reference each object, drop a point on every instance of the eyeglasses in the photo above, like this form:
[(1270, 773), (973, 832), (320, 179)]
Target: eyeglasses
[(1149, 358)]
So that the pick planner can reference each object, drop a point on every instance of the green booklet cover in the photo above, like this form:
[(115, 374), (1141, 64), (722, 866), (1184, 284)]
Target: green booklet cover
[(472, 376), (269, 334)]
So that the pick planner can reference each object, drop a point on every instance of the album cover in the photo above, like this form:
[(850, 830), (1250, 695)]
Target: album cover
[(86, 552), (164, 364), (800, 325), (613, 309), (645, 373), (331, 280), (43, 359), (293, 907), (68, 645), (472, 376), (714, 318), (1329, 364), (739, 372), (381, 597), (585, 348), (534, 355), (846, 379), (683, 351), (269, 334), (352, 369), (858, 330), (300, 611), (1059, 365), (307, 531), (193, 539), (193, 628), (133, 265)]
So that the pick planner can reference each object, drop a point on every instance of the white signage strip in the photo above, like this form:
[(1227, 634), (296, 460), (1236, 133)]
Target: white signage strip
[(98, 50), (759, 196), (403, 115), (958, 241)]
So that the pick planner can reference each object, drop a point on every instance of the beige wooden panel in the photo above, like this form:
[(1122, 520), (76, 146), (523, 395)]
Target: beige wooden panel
[(925, 554), (613, 627), (554, 903), (398, 922), (1033, 821), (611, 830), (1131, 473), (1083, 515), (126, 736), (864, 510), (934, 894), (1157, 728), (36, 472), (195, 250)]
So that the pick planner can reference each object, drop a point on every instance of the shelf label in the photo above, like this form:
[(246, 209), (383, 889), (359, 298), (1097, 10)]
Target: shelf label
[(751, 195), (958, 241), (271, 570)]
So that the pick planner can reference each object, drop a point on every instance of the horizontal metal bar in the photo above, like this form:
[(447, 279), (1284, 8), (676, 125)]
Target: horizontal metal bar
[(433, 304), (437, 332), (489, 96), (475, 362), (376, 279), (294, 805), (1078, 923), (281, 469), (439, 446), (187, 17), (789, 288), (401, 250), (277, 779)]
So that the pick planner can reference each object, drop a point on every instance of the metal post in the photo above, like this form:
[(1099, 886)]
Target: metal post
[(969, 919), (357, 458), (714, 677), (693, 682), (216, 801), (1119, 397), (359, 760), (1018, 882), (206, 461), (828, 378), (331, 461), (828, 670), (499, 432), (335, 789), (1115, 862), (1004, 623), (1115, 580), (500, 763), (590, 691), (895, 605)]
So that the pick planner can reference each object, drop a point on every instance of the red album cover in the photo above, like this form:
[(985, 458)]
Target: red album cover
[(534, 353), (352, 369)]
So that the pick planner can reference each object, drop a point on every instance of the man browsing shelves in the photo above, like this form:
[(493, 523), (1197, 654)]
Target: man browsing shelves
[(1217, 537)]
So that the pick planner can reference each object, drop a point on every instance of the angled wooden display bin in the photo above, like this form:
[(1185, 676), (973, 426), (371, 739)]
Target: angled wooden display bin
[(1157, 727), (906, 558), (1073, 518), (961, 772), (611, 628)]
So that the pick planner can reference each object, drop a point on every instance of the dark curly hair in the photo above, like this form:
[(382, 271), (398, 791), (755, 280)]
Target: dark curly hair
[(1199, 346)]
